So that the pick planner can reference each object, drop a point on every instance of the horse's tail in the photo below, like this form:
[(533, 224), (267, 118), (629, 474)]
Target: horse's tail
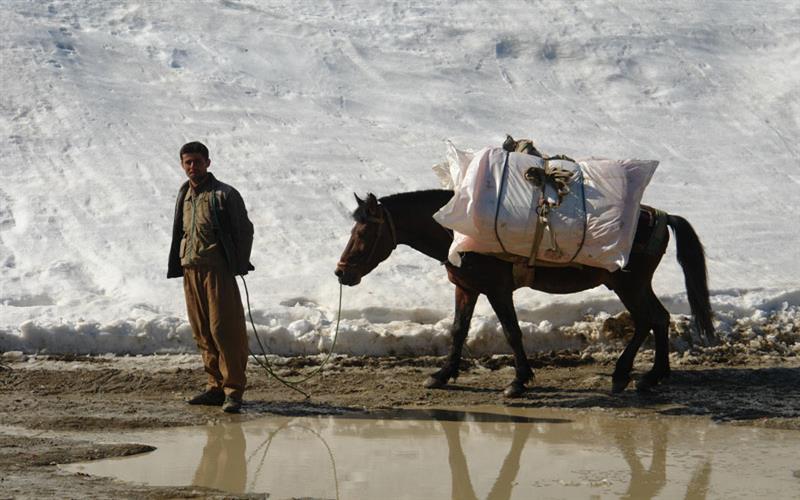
[(692, 259)]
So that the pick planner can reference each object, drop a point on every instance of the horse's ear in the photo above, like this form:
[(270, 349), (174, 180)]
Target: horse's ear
[(372, 204), (358, 200)]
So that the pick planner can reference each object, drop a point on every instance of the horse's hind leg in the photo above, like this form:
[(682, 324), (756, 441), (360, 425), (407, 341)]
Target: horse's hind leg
[(622, 371), (503, 305), (636, 303), (465, 305), (648, 314), (659, 318)]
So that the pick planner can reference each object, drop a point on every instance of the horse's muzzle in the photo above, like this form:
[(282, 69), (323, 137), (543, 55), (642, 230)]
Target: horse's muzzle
[(347, 277)]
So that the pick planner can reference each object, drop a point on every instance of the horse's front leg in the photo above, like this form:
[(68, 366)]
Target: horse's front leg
[(465, 305), (503, 305)]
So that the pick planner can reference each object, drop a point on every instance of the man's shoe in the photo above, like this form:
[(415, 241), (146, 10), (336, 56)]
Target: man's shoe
[(232, 405), (208, 398)]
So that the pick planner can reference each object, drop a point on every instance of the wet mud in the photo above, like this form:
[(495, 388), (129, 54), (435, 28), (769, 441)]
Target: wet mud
[(64, 410)]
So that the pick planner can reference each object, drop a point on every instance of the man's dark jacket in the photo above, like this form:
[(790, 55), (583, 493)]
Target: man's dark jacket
[(234, 230)]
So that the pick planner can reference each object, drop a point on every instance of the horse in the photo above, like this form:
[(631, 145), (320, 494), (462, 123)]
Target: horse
[(407, 218)]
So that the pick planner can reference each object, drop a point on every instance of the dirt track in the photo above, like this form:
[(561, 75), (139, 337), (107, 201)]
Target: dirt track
[(96, 397)]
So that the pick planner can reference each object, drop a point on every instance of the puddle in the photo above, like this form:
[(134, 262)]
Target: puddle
[(491, 453)]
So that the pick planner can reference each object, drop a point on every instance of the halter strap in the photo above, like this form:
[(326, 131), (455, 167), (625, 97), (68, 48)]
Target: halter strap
[(392, 229), (385, 217)]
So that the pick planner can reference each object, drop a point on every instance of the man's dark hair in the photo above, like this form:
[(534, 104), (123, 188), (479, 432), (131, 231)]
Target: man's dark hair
[(194, 148)]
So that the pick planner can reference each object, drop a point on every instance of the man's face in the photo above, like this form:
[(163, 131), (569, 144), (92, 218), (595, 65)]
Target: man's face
[(195, 165)]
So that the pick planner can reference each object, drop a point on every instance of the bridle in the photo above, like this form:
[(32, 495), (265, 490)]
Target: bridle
[(384, 219)]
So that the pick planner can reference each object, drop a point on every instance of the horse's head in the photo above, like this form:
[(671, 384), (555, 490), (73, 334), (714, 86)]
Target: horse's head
[(371, 241)]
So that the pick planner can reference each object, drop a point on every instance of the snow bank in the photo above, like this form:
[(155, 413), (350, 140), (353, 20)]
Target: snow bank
[(769, 326)]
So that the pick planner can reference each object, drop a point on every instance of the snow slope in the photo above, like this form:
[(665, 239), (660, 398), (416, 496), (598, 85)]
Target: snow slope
[(304, 103)]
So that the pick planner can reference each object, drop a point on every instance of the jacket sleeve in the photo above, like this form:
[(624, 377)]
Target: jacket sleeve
[(241, 230), (174, 269)]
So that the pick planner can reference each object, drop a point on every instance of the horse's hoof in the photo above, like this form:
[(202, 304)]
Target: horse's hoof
[(644, 386), (514, 390), (618, 386), (434, 383)]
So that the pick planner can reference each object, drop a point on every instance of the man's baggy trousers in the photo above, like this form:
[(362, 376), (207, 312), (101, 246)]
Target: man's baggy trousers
[(217, 318)]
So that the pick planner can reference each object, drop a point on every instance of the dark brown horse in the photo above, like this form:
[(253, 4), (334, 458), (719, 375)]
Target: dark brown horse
[(406, 218)]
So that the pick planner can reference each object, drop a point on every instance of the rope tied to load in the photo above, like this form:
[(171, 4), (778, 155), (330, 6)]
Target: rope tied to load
[(547, 175)]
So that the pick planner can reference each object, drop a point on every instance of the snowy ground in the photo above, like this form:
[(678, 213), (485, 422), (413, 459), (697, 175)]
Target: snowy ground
[(304, 103)]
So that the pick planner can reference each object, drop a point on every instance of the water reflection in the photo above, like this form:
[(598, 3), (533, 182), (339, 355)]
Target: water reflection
[(647, 483), (461, 483), (644, 483), (262, 450), (467, 455), (222, 465), (699, 483), (221, 455)]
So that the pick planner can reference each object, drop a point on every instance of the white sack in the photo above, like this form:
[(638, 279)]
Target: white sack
[(486, 220), (451, 172)]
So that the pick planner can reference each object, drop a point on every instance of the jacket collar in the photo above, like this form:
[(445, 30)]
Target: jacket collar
[(206, 185)]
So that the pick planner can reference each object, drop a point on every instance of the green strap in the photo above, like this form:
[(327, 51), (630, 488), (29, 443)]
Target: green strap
[(537, 238), (585, 215), (503, 177)]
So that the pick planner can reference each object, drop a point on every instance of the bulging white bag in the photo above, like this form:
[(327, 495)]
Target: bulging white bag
[(494, 207)]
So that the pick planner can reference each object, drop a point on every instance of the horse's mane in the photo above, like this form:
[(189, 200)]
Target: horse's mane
[(417, 196), (412, 199)]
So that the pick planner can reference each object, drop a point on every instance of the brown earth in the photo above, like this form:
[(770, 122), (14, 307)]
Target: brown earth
[(61, 410)]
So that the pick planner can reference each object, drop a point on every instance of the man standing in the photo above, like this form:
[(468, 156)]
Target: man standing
[(211, 242)]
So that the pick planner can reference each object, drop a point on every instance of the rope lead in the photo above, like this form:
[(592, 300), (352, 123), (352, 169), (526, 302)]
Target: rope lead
[(291, 384)]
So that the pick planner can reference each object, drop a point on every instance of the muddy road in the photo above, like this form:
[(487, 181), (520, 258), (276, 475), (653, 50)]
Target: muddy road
[(57, 410)]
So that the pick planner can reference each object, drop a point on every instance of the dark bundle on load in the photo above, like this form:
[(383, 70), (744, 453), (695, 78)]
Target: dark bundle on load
[(524, 146)]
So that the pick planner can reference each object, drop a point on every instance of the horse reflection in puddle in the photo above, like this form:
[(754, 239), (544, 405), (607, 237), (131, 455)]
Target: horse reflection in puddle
[(648, 482), (644, 483), (459, 472)]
